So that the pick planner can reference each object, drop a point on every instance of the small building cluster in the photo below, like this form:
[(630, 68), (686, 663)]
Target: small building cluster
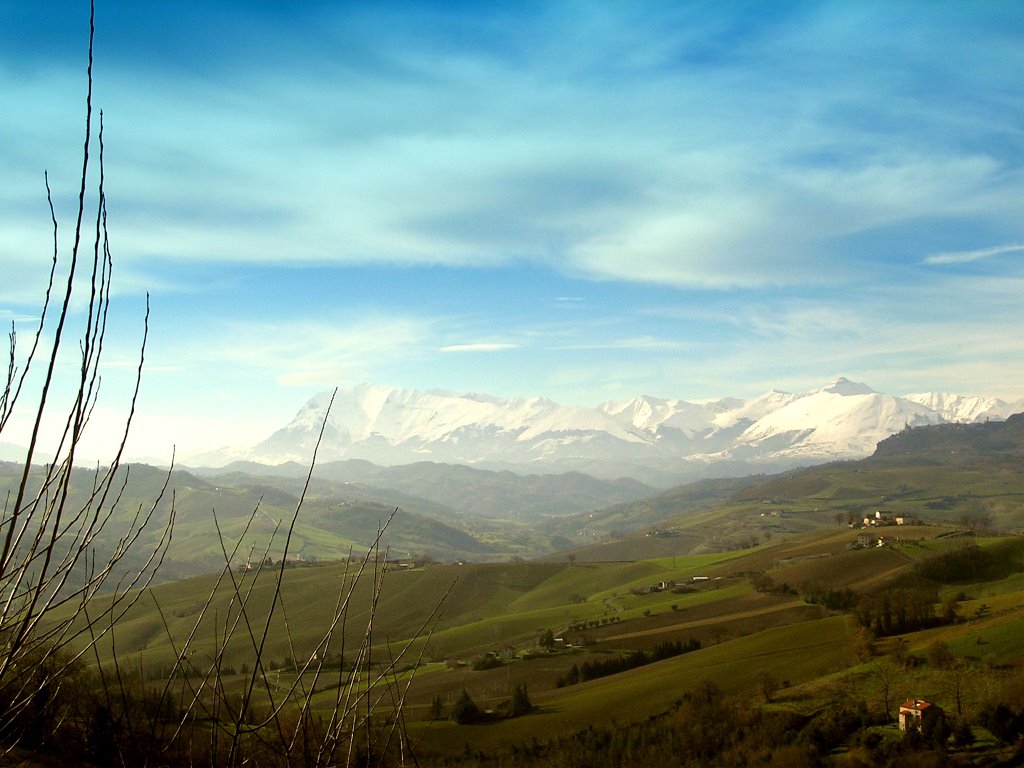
[(668, 585), (869, 540), (663, 533), (882, 518)]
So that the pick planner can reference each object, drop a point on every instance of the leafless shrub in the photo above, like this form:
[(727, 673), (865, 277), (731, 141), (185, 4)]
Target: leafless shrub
[(64, 587), (51, 567), (359, 717)]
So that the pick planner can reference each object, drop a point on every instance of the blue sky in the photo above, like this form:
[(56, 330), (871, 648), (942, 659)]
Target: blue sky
[(581, 200)]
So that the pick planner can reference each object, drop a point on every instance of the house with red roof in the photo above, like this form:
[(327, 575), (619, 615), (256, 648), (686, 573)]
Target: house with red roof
[(918, 714)]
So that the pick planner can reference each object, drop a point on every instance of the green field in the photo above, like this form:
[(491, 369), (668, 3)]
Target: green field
[(597, 610), (768, 583)]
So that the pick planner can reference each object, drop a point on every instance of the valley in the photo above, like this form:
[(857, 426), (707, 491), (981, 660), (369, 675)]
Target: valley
[(752, 615), (952, 474), (783, 598)]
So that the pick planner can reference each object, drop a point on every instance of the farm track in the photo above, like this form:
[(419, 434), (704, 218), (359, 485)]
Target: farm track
[(609, 603)]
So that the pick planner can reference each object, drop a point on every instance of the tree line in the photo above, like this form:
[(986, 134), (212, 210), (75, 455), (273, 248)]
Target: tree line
[(591, 670)]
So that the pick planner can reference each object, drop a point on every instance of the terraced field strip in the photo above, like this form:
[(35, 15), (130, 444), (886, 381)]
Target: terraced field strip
[(754, 613)]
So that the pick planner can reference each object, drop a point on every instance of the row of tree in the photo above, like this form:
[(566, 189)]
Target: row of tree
[(591, 670)]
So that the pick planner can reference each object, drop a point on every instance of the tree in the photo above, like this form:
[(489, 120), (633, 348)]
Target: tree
[(571, 677), (762, 582), (768, 683), (899, 651), (938, 655), (958, 676), (863, 643), (521, 704), (963, 735), (436, 707), (1004, 722), (885, 675), (936, 730), (465, 710), (949, 610)]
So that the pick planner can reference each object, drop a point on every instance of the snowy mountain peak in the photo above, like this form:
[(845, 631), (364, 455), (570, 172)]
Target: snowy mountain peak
[(846, 388), (961, 408), (644, 436)]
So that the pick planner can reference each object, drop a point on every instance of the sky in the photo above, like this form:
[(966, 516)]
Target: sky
[(582, 200)]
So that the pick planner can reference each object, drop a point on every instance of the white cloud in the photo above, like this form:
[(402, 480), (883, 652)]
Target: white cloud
[(716, 166), (802, 319), (314, 376), (648, 343), (480, 347), (964, 257), (294, 350)]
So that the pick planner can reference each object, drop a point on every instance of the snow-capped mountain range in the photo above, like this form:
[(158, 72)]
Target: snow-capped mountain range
[(656, 440)]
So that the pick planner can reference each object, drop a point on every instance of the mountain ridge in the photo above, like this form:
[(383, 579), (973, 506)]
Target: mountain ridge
[(658, 441)]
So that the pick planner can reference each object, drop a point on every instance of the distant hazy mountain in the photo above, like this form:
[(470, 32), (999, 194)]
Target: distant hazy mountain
[(455, 489), (11, 452), (652, 439)]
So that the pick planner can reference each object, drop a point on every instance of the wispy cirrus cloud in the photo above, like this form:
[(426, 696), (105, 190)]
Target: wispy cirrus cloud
[(583, 199), (965, 257), (658, 151), (641, 343), (305, 352), (480, 347)]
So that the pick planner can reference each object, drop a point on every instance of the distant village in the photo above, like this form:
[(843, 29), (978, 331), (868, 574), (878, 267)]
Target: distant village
[(669, 585), (881, 519)]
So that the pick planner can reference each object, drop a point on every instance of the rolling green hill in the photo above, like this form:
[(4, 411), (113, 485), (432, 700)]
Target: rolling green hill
[(458, 490), (255, 515), (953, 474), (760, 586), (949, 473), (754, 613)]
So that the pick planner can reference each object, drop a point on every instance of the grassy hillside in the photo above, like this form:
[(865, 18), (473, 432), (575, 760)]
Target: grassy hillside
[(251, 514), (948, 474), (794, 618), (754, 614), (617, 519), (799, 652)]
